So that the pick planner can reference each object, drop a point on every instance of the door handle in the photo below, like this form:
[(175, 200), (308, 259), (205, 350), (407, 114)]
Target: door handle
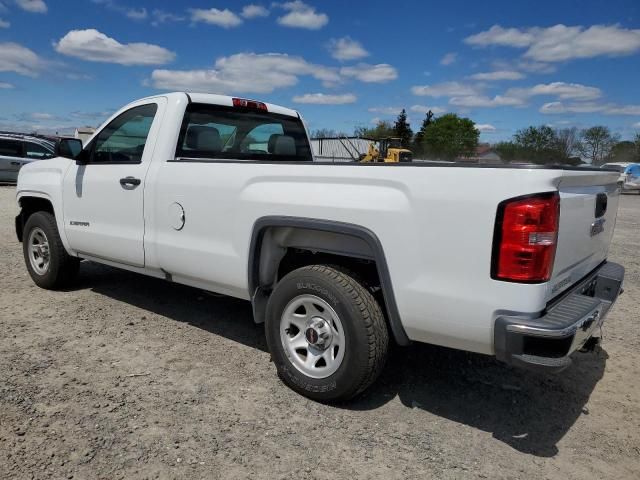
[(17, 164), (129, 182)]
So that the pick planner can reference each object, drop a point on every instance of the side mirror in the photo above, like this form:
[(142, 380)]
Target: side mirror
[(68, 148)]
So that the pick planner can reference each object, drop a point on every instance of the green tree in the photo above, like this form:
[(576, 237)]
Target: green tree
[(623, 152), (324, 133), (383, 129), (509, 151), (418, 141), (636, 141), (450, 136), (402, 129), (541, 145), (567, 140), (596, 144)]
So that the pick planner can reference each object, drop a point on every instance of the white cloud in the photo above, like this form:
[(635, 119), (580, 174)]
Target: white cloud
[(245, 72), (6, 86), (589, 107), (39, 117), (468, 95), (562, 90), (135, 14), (364, 72), (132, 13), (33, 6), (254, 11), (623, 110), (94, 46), (485, 128), (498, 75), (559, 107), (16, 58), (4, 24), (325, 99), (507, 37), (160, 16), (449, 58), (42, 116), (475, 101), (560, 42), (347, 49), (222, 18), (302, 15), (536, 67), (97, 116), (445, 89), (424, 109), (77, 76), (385, 110)]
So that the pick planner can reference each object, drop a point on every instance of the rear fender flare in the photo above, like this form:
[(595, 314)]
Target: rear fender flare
[(345, 239)]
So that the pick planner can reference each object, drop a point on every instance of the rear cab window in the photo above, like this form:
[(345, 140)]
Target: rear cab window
[(236, 133)]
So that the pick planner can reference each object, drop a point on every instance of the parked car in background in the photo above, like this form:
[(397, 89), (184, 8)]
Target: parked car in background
[(18, 149), (629, 179)]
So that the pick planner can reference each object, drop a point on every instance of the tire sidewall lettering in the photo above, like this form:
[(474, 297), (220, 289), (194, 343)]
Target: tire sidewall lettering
[(327, 295)]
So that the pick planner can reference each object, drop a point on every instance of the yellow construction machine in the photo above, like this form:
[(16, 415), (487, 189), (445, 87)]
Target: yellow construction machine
[(390, 151)]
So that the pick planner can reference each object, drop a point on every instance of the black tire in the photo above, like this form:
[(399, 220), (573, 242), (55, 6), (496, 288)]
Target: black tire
[(365, 331), (62, 268)]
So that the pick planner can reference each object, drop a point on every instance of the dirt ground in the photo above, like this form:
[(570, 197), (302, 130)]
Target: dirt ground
[(125, 376)]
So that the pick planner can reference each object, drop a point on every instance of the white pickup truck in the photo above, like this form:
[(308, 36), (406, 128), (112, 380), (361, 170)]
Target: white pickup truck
[(338, 260)]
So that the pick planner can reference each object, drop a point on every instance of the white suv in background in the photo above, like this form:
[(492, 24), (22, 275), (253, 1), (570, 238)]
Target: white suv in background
[(629, 179), (17, 150)]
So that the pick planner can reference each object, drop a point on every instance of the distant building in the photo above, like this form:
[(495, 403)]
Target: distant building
[(484, 154), (84, 133), (339, 149)]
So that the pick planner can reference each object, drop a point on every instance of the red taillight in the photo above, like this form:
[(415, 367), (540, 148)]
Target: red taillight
[(244, 103), (525, 238)]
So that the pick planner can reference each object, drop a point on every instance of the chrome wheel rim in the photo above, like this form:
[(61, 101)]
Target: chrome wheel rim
[(39, 256), (312, 336)]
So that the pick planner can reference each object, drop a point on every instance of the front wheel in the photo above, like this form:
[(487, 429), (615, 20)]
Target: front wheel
[(326, 333), (48, 263)]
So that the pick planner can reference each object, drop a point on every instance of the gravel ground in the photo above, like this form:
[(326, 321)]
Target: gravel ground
[(125, 376)]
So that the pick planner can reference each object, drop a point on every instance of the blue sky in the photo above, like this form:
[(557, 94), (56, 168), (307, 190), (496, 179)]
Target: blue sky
[(504, 64)]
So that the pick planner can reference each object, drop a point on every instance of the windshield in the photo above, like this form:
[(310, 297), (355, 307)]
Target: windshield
[(219, 132)]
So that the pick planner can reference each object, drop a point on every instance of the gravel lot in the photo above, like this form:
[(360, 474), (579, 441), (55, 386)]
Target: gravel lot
[(125, 376)]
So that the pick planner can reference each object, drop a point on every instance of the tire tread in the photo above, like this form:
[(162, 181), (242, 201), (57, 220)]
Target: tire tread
[(370, 314), (65, 268)]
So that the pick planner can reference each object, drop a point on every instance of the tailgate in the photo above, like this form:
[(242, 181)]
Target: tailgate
[(588, 210)]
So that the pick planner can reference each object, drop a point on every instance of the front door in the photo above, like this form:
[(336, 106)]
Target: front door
[(103, 196)]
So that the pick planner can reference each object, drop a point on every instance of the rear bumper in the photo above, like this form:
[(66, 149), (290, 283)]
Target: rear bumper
[(546, 342)]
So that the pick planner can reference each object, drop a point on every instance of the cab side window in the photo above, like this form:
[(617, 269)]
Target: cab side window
[(123, 140), (36, 152)]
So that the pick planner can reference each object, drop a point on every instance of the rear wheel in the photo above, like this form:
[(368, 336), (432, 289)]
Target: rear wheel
[(326, 333), (48, 263)]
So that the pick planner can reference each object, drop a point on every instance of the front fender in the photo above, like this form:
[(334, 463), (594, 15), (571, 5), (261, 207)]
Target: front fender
[(43, 179)]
